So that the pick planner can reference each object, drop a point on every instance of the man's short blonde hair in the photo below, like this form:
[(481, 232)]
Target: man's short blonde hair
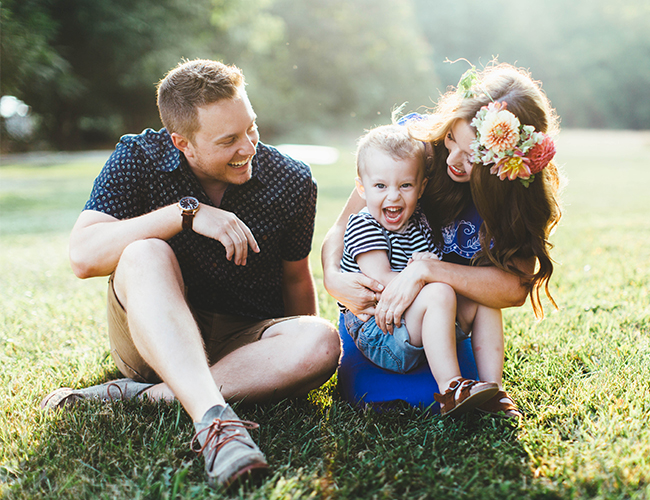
[(193, 84)]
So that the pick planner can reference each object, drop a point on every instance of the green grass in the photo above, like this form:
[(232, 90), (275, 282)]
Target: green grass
[(582, 376)]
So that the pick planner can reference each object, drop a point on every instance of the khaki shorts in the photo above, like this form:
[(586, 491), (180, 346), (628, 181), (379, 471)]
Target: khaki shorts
[(222, 334)]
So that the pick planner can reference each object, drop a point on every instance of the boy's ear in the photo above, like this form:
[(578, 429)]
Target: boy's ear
[(359, 186), (424, 184)]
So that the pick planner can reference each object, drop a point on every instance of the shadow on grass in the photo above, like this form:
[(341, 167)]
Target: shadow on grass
[(138, 449)]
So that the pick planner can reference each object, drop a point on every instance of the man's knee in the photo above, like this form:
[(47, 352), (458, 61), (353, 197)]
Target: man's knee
[(330, 342), (149, 252), (323, 351), (320, 340), (146, 262)]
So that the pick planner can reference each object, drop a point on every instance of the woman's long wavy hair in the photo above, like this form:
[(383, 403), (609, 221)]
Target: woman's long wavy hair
[(517, 220)]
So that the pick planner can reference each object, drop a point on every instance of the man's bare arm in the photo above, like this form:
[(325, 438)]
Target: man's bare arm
[(98, 239), (299, 289)]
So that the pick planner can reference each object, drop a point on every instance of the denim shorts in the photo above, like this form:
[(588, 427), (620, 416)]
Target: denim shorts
[(391, 352)]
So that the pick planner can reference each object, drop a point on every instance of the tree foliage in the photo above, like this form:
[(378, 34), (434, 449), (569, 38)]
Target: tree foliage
[(338, 63), (88, 69), (591, 55)]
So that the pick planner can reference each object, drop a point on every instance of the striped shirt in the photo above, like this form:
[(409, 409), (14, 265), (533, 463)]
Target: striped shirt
[(364, 234)]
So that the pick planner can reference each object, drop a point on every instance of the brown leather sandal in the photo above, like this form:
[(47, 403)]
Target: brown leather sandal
[(501, 405), (463, 395)]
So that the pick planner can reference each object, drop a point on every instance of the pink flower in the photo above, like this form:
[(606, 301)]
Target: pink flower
[(512, 167), (541, 154), (499, 130)]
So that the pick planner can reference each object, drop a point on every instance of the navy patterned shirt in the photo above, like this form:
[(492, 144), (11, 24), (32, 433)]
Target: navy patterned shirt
[(461, 237), (278, 204)]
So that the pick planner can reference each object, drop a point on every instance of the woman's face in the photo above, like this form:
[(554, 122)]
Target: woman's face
[(457, 142)]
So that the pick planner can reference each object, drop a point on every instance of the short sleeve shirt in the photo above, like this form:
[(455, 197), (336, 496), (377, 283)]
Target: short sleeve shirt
[(278, 204), (460, 237), (365, 234)]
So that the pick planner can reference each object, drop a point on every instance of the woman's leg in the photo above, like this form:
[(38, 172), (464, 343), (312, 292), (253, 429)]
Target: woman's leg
[(486, 325)]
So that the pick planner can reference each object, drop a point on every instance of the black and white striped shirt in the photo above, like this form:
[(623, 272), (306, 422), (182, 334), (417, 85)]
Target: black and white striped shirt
[(364, 234)]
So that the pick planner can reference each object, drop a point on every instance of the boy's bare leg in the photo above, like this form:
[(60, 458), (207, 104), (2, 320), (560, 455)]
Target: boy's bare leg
[(431, 323)]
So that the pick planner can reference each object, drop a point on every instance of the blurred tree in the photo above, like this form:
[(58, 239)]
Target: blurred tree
[(591, 55), (89, 69), (338, 64)]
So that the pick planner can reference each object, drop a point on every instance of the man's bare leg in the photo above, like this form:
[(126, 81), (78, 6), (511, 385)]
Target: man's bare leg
[(292, 358), (149, 284)]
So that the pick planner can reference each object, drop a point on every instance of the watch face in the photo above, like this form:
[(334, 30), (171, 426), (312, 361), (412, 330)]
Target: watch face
[(189, 203)]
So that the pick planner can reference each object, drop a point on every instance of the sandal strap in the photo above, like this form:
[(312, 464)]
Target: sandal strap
[(455, 392), (496, 405)]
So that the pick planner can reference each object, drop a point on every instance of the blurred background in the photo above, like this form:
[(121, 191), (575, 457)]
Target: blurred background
[(77, 74)]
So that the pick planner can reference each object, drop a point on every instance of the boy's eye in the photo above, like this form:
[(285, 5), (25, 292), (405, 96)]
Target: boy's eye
[(407, 185), (380, 185)]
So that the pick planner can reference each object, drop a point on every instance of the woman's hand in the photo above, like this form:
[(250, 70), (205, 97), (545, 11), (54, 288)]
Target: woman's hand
[(400, 294), (355, 291), (423, 256)]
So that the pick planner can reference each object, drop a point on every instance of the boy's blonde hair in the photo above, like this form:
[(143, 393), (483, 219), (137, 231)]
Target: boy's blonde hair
[(393, 140)]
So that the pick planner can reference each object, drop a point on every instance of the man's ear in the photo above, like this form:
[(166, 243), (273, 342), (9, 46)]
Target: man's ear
[(359, 186), (182, 144)]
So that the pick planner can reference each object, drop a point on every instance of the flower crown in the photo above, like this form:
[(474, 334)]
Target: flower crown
[(515, 151)]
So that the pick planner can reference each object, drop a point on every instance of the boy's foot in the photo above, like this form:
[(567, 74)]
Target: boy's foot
[(115, 390), (464, 395), (230, 453), (500, 405)]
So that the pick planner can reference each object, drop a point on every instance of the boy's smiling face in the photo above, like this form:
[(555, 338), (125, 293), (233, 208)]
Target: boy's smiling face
[(391, 188)]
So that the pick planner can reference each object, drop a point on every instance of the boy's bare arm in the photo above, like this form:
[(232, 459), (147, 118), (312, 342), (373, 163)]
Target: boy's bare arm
[(375, 264)]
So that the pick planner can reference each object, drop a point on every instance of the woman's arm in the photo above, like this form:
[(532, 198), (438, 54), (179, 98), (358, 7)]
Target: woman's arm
[(488, 286), (355, 290)]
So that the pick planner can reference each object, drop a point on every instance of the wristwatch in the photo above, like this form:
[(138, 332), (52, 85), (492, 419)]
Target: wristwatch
[(189, 206)]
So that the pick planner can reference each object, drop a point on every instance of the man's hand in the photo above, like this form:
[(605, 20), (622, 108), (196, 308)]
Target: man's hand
[(227, 228)]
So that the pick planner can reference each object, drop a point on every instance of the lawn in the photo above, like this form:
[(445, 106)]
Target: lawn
[(582, 375)]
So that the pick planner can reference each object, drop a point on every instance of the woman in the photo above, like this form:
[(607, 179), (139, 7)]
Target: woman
[(492, 201)]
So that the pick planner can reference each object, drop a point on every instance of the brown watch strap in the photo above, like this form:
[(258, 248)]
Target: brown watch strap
[(188, 218)]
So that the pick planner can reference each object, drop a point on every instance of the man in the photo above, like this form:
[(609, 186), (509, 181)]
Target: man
[(205, 233)]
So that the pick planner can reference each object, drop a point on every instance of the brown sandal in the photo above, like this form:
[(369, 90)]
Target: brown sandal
[(463, 395), (501, 405)]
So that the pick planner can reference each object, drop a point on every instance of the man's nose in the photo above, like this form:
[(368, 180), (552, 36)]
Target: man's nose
[(248, 147)]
